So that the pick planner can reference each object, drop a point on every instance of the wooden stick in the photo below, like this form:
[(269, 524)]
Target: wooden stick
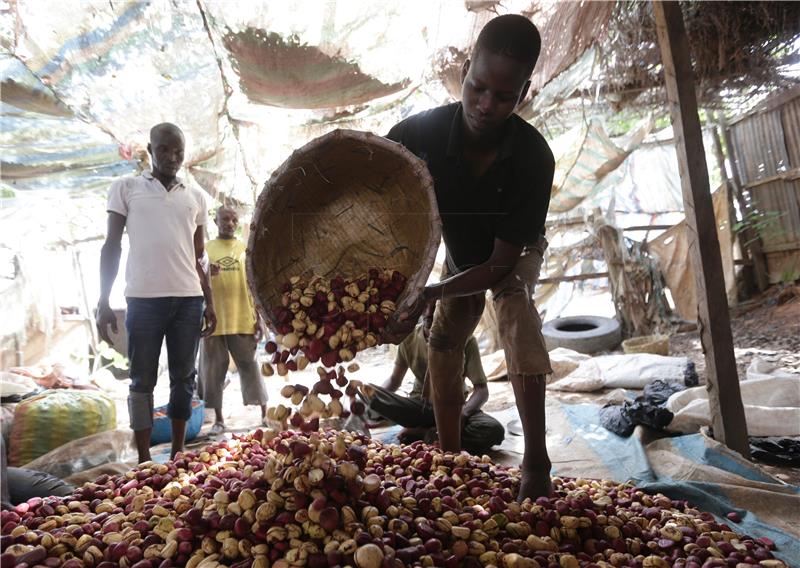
[(789, 175), (648, 227), (727, 410), (573, 278)]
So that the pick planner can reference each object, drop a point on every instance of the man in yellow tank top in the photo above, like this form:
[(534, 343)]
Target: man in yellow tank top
[(238, 330)]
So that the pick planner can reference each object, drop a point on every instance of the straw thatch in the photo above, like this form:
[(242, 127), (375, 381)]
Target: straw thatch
[(738, 50)]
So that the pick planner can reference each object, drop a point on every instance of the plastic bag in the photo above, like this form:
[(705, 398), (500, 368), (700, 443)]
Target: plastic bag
[(587, 377), (627, 371), (636, 371), (771, 407), (615, 418), (760, 369), (12, 384), (647, 409), (776, 451), (563, 361), (85, 453), (55, 417), (658, 392)]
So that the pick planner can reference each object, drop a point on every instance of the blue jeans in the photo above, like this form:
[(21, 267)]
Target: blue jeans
[(149, 321)]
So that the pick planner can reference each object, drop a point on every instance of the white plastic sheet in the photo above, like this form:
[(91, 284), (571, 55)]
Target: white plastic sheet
[(624, 371), (771, 403), (13, 384)]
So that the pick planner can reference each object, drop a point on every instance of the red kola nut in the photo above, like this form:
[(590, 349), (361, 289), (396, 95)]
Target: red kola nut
[(413, 503)]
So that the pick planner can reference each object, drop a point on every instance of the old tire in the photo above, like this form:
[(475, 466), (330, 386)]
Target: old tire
[(584, 334)]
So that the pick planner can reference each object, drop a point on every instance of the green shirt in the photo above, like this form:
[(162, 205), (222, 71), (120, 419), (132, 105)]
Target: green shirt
[(413, 352)]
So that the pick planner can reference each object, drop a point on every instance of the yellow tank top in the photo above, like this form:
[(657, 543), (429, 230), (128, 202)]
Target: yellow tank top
[(232, 301)]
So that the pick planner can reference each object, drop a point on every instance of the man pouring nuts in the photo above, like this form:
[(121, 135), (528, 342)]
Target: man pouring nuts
[(492, 176)]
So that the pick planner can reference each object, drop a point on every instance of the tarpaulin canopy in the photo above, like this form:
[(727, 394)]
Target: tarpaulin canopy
[(82, 82), (585, 155)]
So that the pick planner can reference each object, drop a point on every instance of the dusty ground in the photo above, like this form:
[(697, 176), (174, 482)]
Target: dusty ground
[(768, 327)]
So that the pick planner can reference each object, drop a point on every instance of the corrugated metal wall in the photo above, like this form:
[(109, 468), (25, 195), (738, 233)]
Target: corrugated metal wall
[(766, 149)]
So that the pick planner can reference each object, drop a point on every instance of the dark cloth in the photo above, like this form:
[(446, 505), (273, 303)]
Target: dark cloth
[(508, 202), (647, 409), (478, 434), (148, 322), (776, 450), (658, 391), (17, 485), (24, 484)]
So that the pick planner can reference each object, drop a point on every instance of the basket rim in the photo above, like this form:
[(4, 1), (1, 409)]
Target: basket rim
[(417, 281)]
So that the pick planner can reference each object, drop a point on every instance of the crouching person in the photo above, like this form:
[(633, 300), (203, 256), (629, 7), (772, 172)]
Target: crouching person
[(415, 413)]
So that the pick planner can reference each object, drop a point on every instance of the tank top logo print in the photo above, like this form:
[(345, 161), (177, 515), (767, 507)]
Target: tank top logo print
[(227, 263)]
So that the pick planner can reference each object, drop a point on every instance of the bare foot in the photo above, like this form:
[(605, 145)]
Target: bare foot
[(534, 483)]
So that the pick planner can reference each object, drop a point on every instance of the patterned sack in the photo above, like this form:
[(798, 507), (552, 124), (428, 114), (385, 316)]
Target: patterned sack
[(55, 417)]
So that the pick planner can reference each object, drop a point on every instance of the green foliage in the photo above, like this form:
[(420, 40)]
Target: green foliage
[(763, 223), (105, 352), (790, 274), (115, 358)]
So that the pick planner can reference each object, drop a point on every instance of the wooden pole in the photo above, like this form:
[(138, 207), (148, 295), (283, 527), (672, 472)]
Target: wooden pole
[(573, 278), (726, 185), (727, 411)]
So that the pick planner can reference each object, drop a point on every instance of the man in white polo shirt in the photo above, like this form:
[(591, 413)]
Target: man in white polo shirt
[(165, 282)]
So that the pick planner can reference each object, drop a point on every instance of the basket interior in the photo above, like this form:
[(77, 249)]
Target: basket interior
[(344, 203)]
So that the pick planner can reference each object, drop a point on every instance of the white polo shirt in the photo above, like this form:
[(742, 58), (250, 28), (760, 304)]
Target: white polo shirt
[(161, 226)]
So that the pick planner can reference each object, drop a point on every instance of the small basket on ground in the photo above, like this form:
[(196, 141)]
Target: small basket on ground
[(345, 202), (655, 344)]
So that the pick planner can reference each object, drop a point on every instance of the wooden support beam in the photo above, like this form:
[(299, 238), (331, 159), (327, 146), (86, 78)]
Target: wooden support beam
[(789, 175), (648, 227), (728, 188), (573, 278), (727, 410)]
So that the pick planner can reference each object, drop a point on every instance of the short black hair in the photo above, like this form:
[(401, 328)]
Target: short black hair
[(511, 35), (165, 127)]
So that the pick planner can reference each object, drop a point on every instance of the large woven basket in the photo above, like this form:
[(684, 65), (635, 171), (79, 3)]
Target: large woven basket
[(345, 202)]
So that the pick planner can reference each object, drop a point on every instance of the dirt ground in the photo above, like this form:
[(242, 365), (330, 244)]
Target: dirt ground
[(767, 327)]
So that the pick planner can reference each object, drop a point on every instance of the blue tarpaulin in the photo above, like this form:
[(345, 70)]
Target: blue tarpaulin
[(682, 468)]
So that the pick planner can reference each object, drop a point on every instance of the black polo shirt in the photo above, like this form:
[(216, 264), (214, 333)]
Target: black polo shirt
[(508, 202)]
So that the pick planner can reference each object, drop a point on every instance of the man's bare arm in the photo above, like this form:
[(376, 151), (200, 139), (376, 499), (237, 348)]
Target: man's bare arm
[(396, 378), (209, 315), (109, 267), (481, 277), (479, 396)]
